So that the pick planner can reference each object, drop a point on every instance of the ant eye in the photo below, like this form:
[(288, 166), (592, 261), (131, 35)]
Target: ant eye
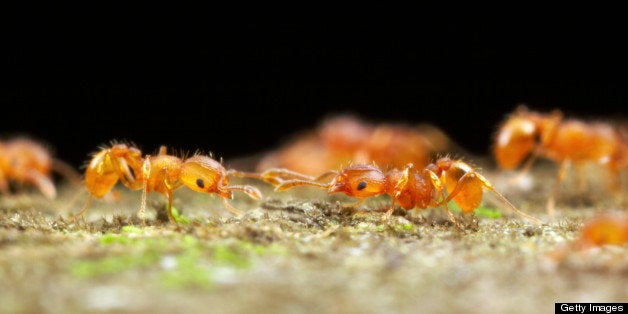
[(361, 185), (200, 183)]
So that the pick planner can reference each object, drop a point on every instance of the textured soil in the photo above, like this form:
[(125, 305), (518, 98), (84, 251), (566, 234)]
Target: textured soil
[(302, 251)]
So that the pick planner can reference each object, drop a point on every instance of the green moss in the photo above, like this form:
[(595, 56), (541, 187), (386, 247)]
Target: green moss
[(226, 256), (196, 264), (178, 217), (487, 212), (132, 229), (187, 277), (189, 241), (189, 272), (370, 227), (482, 211), (112, 265), (111, 238), (145, 251), (404, 227), (273, 249)]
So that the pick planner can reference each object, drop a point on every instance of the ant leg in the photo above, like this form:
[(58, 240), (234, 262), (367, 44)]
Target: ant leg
[(248, 190), (615, 178), (275, 176), (614, 183), (127, 177), (66, 171), (527, 166), (140, 214), (242, 174), (389, 212), (292, 183), (252, 192), (258, 176), (581, 173), (436, 182), (146, 174), (452, 217), (79, 214), (169, 209), (4, 184), (467, 181), (354, 204), (71, 202), (325, 175), (508, 203), (43, 183), (551, 202), (231, 208), (169, 188)]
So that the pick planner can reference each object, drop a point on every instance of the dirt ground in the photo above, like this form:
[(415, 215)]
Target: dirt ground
[(302, 251)]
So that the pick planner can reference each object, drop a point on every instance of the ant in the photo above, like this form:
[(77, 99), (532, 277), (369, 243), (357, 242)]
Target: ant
[(529, 133), (345, 138), (604, 229), (26, 161), (435, 185), (161, 173)]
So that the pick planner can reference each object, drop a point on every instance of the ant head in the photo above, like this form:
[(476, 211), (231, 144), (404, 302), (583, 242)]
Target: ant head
[(203, 174), (359, 181), (515, 140)]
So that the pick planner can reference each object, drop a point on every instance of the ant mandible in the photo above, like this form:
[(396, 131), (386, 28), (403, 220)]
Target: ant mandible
[(24, 160), (532, 134), (436, 185), (161, 173)]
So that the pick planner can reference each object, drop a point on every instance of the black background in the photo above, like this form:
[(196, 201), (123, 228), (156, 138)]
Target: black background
[(239, 87)]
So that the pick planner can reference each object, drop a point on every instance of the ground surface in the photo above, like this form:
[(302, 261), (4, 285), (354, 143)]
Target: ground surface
[(302, 252)]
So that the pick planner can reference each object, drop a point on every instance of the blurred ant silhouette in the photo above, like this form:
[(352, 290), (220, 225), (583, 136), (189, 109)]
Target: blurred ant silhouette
[(604, 229), (532, 134), (26, 161), (346, 138)]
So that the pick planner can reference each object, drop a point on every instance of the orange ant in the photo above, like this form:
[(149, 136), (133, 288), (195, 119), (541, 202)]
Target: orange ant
[(24, 160), (603, 229), (561, 140), (436, 185), (346, 139), (161, 173)]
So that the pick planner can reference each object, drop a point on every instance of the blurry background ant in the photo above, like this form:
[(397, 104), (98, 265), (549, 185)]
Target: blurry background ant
[(25, 161), (345, 139), (432, 186), (529, 134), (162, 173), (605, 229)]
